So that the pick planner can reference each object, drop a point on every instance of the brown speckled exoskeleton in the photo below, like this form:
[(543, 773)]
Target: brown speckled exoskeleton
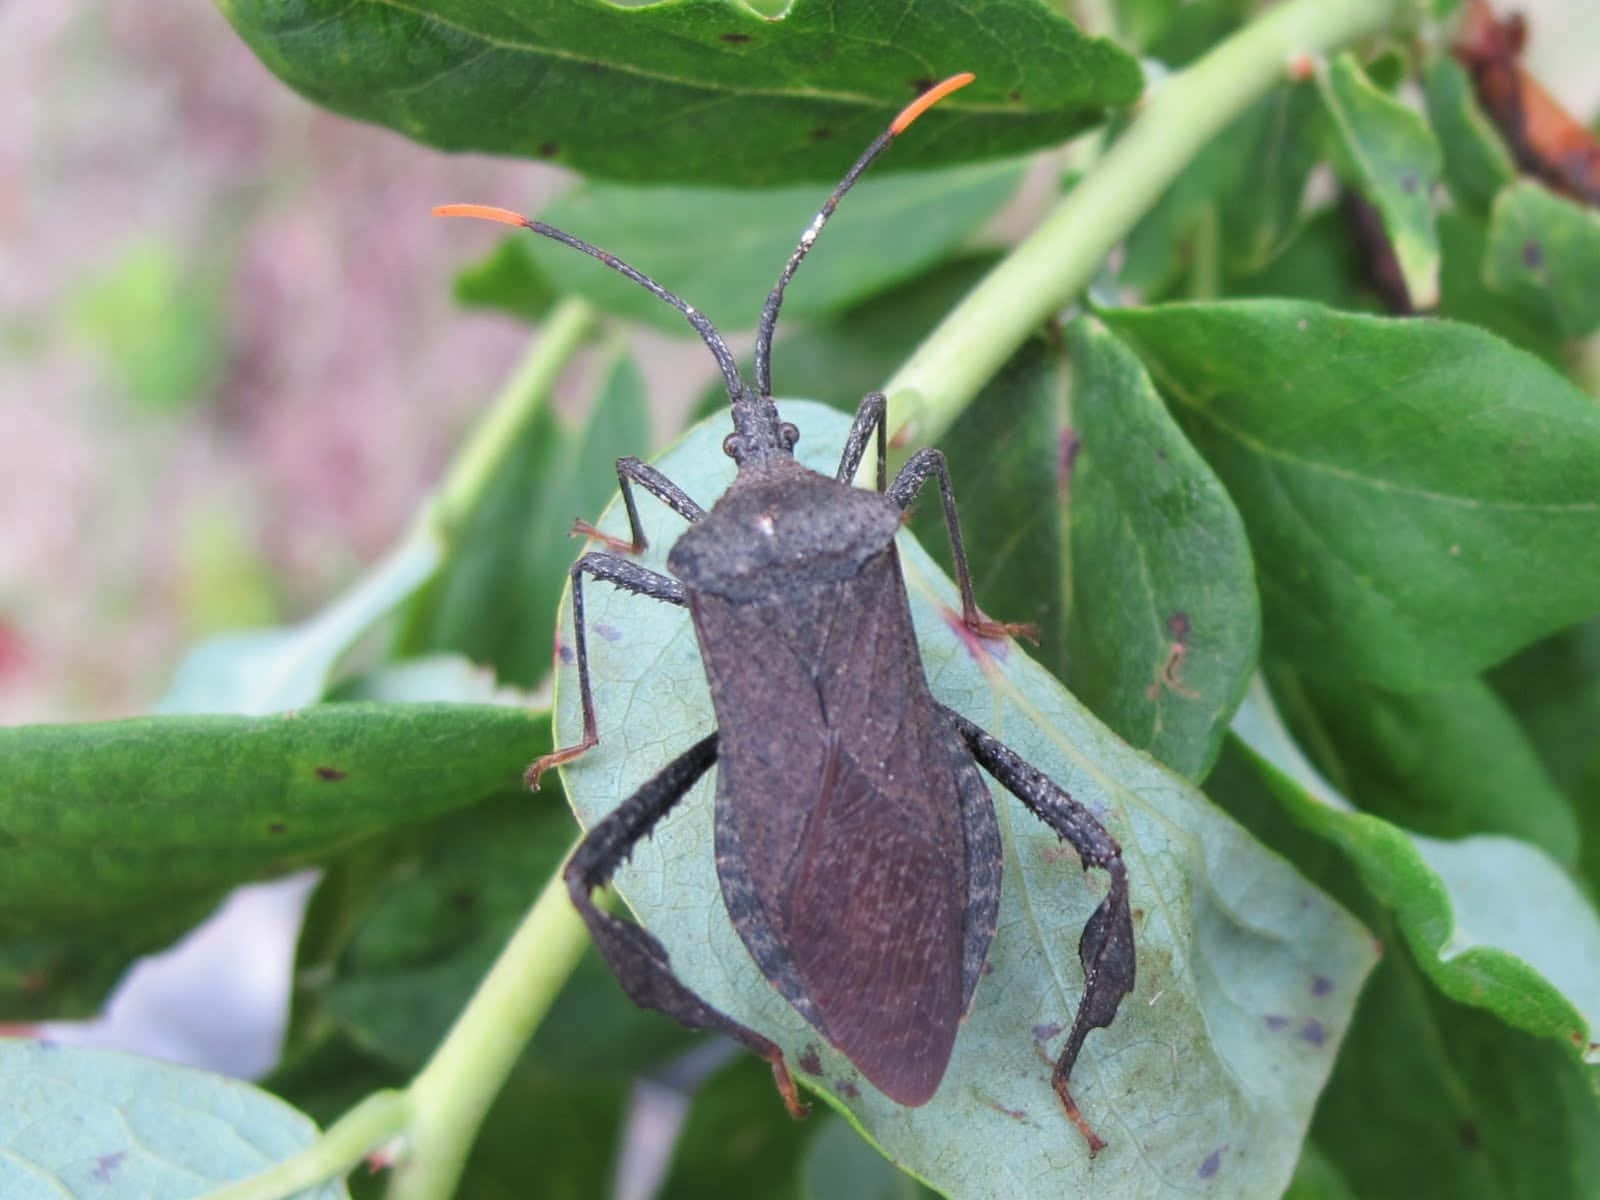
[(856, 841)]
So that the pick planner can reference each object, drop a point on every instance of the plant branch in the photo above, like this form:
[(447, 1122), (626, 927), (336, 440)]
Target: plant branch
[(453, 1092), (344, 1144), (1058, 259), (522, 395), (434, 1121)]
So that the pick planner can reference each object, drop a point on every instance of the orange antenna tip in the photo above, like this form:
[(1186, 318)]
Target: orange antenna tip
[(484, 212), (928, 99)]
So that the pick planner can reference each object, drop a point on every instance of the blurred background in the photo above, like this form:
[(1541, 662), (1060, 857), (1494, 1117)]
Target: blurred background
[(230, 368)]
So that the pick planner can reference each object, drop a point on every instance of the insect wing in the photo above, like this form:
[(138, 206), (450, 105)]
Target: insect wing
[(874, 910)]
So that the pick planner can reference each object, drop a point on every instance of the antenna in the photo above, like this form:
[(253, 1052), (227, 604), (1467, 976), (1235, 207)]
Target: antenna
[(702, 325), (769, 311)]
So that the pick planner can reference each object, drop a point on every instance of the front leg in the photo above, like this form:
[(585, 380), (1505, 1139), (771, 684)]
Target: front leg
[(631, 578), (869, 418), (919, 468), (631, 470), (1106, 948), (638, 959)]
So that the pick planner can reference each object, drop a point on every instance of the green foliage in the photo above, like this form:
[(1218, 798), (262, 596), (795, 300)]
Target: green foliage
[(703, 91), (1386, 151), (726, 245), (1272, 498)]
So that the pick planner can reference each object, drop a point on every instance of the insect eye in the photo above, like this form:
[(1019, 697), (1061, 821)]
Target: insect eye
[(732, 445), (790, 435)]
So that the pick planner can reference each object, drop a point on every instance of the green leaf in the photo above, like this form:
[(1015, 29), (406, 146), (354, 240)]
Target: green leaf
[(1493, 921), (437, 923), (509, 279), (840, 359), (270, 670), (1476, 162), (705, 91), (82, 1123), (1237, 201), (1318, 264), (1544, 257), (1185, 1081), (1316, 1178), (721, 249), (1429, 1098), (1387, 151), (839, 1163), (737, 1142), (1434, 1100), (122, 821), (1465, 296), (495, 600), (1165, 624), (1449, 763), (1554, 688), (1421, 498)]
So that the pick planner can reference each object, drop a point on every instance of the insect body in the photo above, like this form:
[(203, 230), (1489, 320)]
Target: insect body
[(856, 840)]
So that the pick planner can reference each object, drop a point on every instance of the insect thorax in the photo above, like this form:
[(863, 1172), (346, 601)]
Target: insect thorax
[(779, 527)]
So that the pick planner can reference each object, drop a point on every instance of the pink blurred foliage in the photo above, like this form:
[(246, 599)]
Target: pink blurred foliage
[(346, 375)]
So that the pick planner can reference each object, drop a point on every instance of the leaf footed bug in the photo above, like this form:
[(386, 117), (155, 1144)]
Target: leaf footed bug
[(856, 841)]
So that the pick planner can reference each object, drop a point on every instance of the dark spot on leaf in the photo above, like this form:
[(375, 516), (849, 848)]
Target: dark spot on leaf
[(106, 1164), (564, 653), (810, 1061), (1408, 183), (1532, 255), (848, 1090), (1178, 625), (331, 774), (1469, 1134), (463, 900), (1313, 1032), (821, 134), (921, 85), (1068, 446), (1208, 1168), (1044, 1032), (277, 827), (737, 39), (1321, 985), (1014, 95), (610, 632), (1138, 915), (1276, 1023), (549, 149)]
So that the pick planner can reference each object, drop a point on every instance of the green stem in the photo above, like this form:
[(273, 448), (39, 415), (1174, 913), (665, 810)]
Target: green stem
[(1058, 259), (523, 394), (450, 1097), (436, 1118), (345, 1143)]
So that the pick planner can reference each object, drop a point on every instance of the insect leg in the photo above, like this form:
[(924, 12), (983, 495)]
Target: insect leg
[(630, 471), (1106, 947), (869, 416), (919, 467), (629, 577), (638, 959)]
